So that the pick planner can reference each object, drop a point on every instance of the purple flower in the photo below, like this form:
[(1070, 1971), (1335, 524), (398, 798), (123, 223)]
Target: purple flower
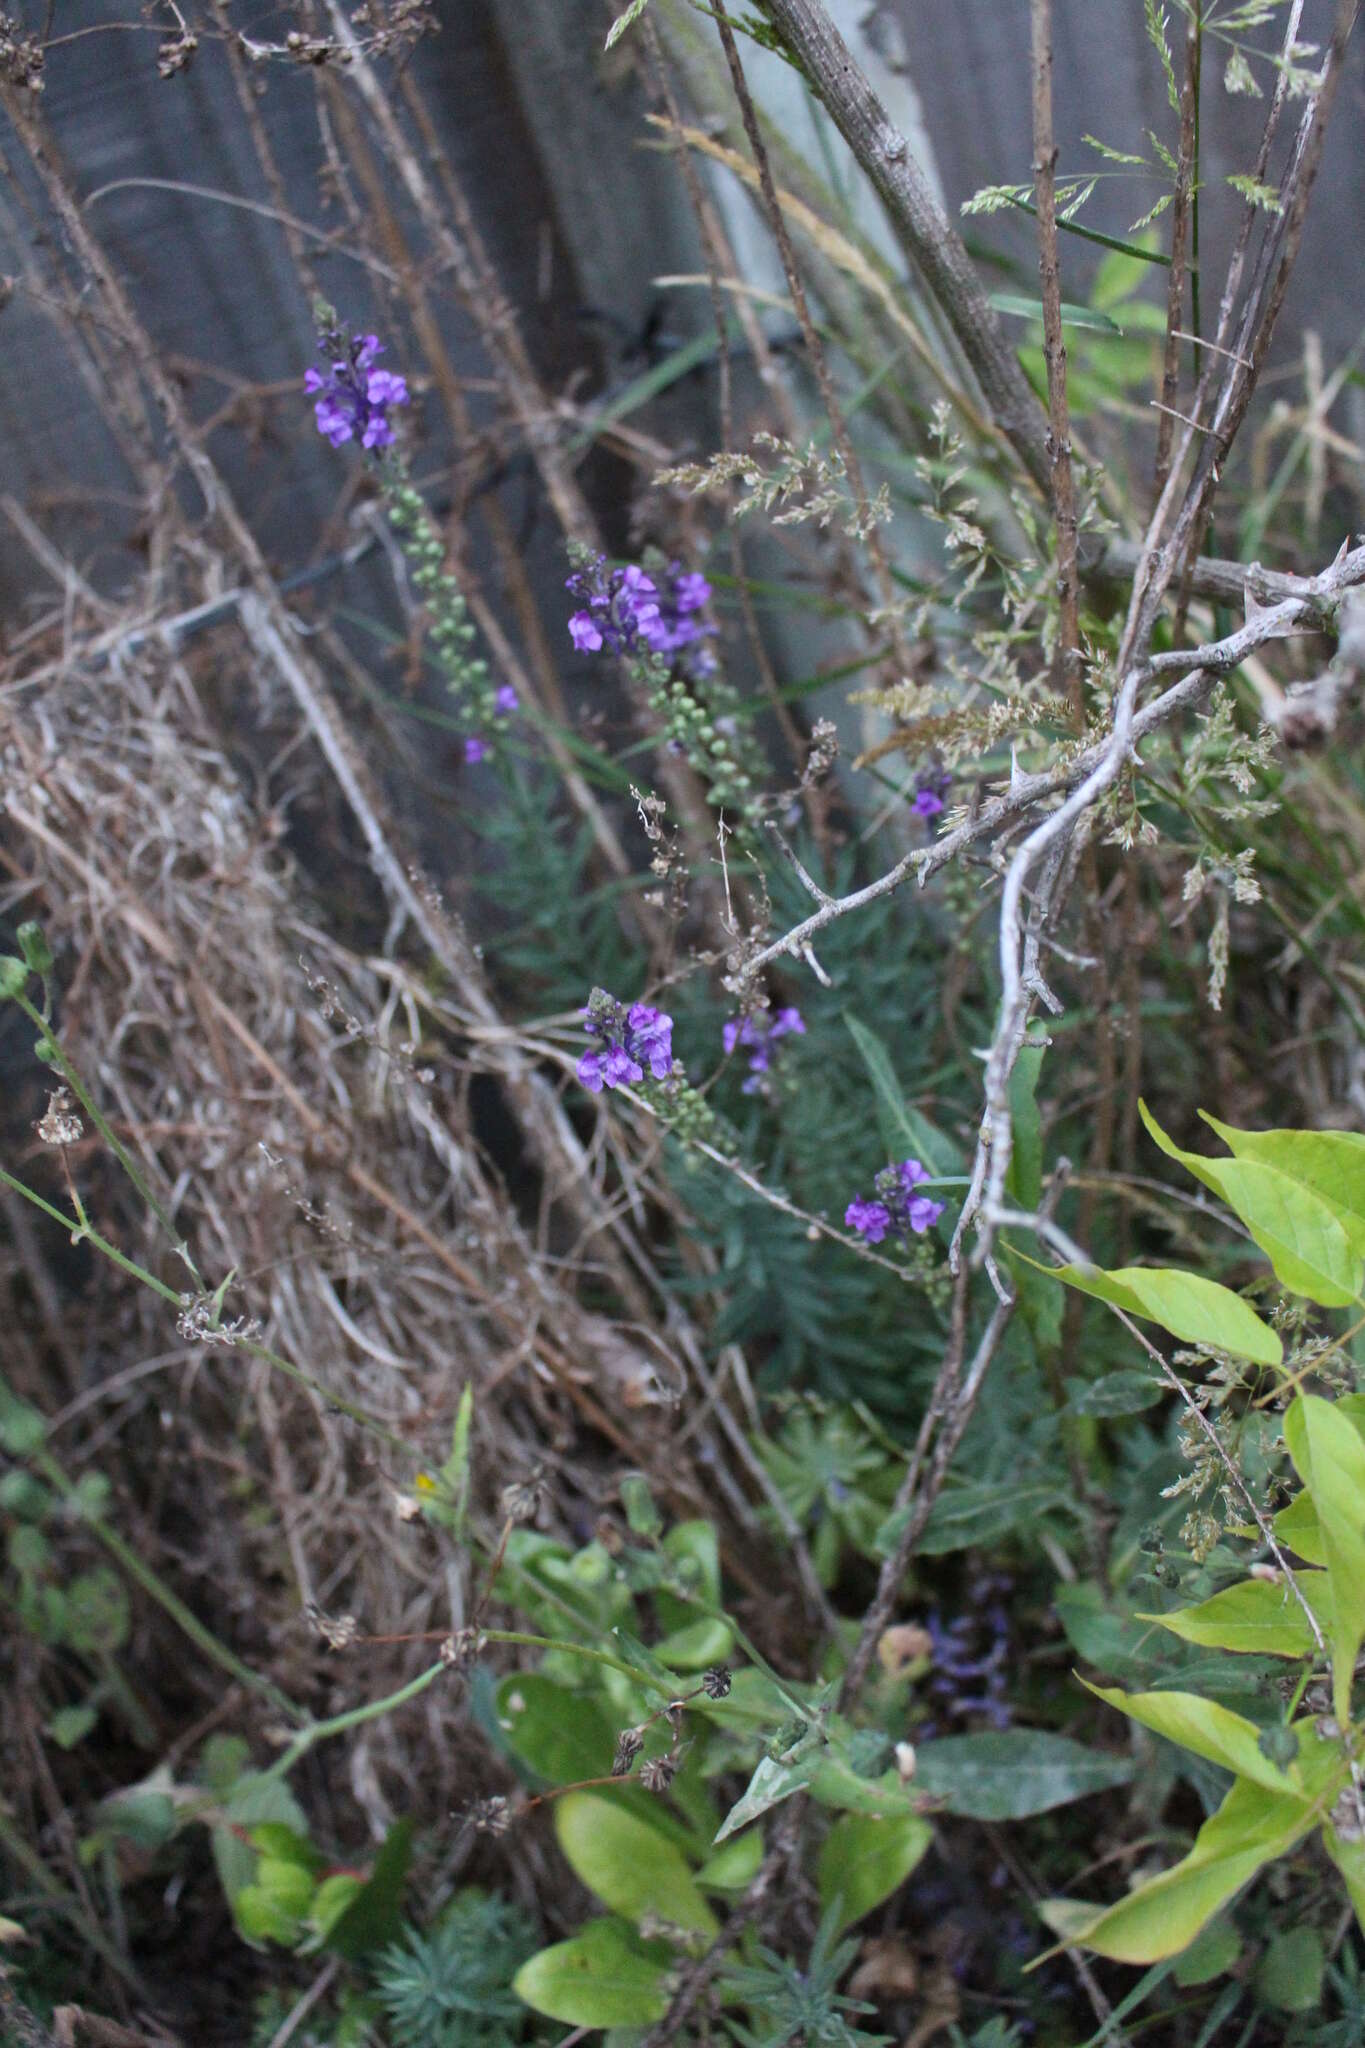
[(506, 700), (898, 1209), (633, 1038), (932, 786), (351, 398), (475, 749), (871, 1219), (625, 608), (759, 1034)]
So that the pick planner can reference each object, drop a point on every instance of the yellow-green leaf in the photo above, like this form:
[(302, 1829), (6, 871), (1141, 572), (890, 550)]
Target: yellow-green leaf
[(632, 1867), (862, 1861), (601, 1978), (1196, 1310), (1330, 1459), (1163, 1917), (1210, 1730), (1295, 1228), (1258, 1615), (1331, 1163)]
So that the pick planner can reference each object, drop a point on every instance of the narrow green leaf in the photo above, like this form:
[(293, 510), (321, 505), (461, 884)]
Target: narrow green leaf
[(899, 1122), (862, 1861), (1330, 1459), (1257, 1616), (771, 1783), (1015, 1772), (1025, 308), (1298, 1231), (631, 1866), (602, 1978), (1026, 1159)]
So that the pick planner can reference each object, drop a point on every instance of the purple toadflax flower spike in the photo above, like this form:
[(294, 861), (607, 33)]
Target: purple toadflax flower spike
[(353, 398), (630, 1039), (899, 1210)]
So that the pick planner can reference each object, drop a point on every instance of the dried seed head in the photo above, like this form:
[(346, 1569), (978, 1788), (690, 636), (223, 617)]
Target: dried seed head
[(629, 1743), (489, 1816), (461, 1648), (522, 1500), (716, 1682), (657, 1773), (61, 1125), (337, 1631)]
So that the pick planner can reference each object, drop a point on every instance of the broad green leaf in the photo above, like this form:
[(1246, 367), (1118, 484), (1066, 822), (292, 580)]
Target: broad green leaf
[(1208, 1729), (1212, 1952), (287, 1884), (602, 1978), (261, 1918), (1298, 1232), (632, 1868), (1118, 1393), (70, 1725), (696, 1647), (1331, 1163), (253, 1798), (141, 1815), (835, 1784), (331, 1901), (1289, 1974), (1014, 1772), (1196, 1310), (899, 1122), (1257, 1616), (733, 1868), (1296, 1528), (862, 1861), (1330, 1459), (1163, 1917), (562, 1735)]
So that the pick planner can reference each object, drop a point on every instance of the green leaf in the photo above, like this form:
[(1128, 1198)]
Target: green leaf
[(602, 1978), (899, 1122), (22, 1428), (862, 1861), (141, 1815), (1015, 1772), (330, 1902), (253, 1798), (1025, 308), (1331, 1163), (13, 977), (97, 1617), (971, 1515), (734, 1868), (1298, 1232), (1349, 1857), (771, 1783), (1297, 1528), (70, 1725), (1163, 1917), (632, 1868), (373, 1916), (559, 1733), (1257, 1615), (287, 1884), (1289, 1974), (1210, 1730), (696, 1647), (261, 1918), (642, 1511), (1026, 1158), (1330, 1459), (1196, 1310), (1212, 1952), (1118, 1393)]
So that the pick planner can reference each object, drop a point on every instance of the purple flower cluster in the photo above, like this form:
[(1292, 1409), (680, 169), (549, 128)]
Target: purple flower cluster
[(760, 1034), (970, 1658), (897, 1211), (931, 788), (353, 398), (631, 1039), (622, 609)]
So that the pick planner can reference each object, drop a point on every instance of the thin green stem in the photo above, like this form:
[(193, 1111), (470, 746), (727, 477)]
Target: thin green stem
[(98, 1119), (319, 1731)]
